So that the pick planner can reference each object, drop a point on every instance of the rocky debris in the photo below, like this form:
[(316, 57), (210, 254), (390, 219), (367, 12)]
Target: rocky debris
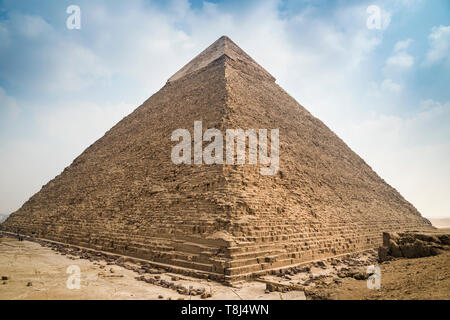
[(331, 271), (279, 287), (335, 262), (96, 257), (304, 269), (321, 264), (411, 245), (354, 273), (109, 275), (156, 280), (315, 294), (270, 287), (333, 265), (206, 295), (4, 278), (29, 284)]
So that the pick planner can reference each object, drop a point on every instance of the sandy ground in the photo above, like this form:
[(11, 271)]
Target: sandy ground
[(23, 262), (37, 272), (426, 278), (403, 279)]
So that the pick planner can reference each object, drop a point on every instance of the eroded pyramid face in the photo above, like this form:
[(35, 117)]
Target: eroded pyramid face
[(126, 194)]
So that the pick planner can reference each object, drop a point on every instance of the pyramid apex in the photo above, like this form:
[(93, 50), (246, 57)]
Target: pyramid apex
[(225, 38), (222, 46)]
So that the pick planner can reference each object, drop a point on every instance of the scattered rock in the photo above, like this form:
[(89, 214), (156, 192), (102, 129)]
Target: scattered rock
[(204, 295), (270, 287), (353, 273), (304, 269), (361, 276)]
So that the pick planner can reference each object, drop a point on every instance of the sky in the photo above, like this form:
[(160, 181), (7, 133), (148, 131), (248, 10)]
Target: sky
[(384, 90)]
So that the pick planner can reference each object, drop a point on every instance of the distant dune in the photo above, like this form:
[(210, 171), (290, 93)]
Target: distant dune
[(441, 223)]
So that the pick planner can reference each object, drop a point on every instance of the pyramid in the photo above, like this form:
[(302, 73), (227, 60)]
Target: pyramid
[(124, 195)]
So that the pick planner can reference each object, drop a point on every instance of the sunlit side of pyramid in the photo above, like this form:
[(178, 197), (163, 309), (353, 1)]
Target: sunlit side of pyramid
[(123, 194)]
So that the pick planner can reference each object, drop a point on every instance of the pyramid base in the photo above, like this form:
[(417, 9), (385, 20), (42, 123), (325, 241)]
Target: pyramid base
[(230, 275)]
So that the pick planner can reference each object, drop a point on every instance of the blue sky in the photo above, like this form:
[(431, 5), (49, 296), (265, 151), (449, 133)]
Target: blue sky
[(385, 92)]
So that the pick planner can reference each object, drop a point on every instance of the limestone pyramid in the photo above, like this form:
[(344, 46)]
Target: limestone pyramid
[(123, 194)]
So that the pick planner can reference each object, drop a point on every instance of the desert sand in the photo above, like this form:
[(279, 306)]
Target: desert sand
[(24, 262), (31, 270)]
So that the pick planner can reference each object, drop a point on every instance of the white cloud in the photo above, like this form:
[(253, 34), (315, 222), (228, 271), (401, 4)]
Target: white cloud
[(390, 85), (402, 45), (41, 58), (400, 60), (72, 68), (439, 50), (396, 65)]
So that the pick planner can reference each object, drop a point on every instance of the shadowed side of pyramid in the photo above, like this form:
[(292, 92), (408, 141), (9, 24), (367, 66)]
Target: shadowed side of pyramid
[(123, 194), (324, 201)]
